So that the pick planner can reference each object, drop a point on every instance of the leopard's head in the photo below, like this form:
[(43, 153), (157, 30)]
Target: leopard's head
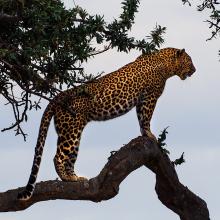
[(176, 62), (184, 65)]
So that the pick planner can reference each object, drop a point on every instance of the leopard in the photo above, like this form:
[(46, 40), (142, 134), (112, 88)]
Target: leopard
[(138, 84)]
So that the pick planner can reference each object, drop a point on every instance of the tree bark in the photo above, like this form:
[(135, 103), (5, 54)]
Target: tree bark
[(140, 151)]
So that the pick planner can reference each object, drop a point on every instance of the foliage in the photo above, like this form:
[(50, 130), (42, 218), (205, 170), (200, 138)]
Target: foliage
[(180, 160), (161, 139), (213, 7), (43, 47), (214, 21), (161, 144)]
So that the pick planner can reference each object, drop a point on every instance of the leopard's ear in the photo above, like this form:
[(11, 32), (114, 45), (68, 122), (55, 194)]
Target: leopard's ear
[(180, 52)]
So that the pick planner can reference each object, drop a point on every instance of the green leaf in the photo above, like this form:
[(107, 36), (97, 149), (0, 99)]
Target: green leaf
[(180, 160), (161, 139)]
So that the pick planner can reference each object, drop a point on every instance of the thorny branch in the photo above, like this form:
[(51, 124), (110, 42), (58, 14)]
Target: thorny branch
[(186, 2), (216, 26), (214, 21), (20, 103), (19, 117)]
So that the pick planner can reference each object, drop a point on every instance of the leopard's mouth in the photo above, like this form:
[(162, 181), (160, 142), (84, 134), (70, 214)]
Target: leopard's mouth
[(185, 75), (188, 73)]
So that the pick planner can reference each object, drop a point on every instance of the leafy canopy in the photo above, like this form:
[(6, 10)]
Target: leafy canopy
[(43, 47)]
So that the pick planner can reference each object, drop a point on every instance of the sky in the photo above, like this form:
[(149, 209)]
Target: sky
[(190, 108)]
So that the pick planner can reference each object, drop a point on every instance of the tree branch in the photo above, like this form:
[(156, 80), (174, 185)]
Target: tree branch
[(140, 151), (5, 18)]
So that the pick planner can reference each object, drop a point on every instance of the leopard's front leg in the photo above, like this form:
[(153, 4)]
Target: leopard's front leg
[(145, 109)]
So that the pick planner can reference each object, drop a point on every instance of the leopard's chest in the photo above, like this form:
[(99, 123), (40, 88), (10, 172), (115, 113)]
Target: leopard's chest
[(105, 111)]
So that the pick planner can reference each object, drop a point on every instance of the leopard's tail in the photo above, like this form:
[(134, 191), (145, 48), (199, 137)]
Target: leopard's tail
[(45, 122)]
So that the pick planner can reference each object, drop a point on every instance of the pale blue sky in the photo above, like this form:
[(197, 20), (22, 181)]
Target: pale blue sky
[(191, 108)]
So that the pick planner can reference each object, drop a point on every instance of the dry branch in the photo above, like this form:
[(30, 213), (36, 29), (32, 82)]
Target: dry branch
[(140, 151)]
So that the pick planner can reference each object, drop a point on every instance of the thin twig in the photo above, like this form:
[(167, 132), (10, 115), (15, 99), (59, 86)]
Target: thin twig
[(106, 48)]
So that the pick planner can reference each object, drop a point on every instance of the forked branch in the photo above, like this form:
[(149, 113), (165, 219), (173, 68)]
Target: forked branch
[(140, 151)]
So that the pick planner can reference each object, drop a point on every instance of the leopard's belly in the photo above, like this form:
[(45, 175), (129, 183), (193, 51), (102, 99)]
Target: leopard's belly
[(109, 107)]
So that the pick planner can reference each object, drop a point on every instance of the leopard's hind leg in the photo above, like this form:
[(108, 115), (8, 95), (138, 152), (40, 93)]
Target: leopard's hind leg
[(69, 129)]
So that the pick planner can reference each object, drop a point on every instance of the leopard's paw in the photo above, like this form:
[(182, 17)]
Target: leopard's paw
[(150, 135)]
